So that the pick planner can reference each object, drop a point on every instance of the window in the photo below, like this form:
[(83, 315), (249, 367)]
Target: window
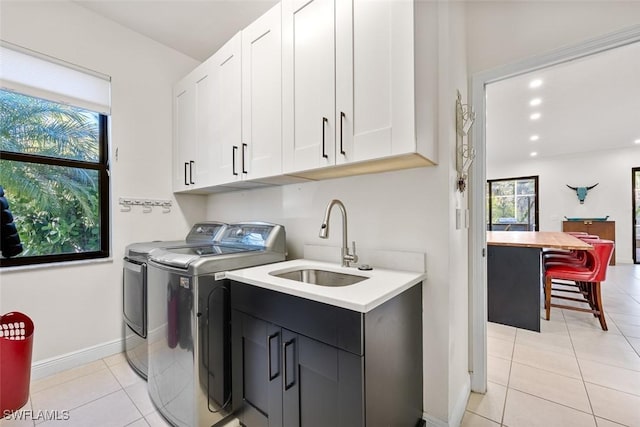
[(512, 204), (54, 170)]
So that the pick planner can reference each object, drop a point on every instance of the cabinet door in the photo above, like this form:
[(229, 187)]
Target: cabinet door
[(308, 83), (203, 163), (257, 371), (375, 112), (262, 96), (184, 138), (322, 384), (227, 111)]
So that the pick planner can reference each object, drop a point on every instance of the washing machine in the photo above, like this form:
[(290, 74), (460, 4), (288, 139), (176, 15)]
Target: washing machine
[(134, 289), (189, 331)]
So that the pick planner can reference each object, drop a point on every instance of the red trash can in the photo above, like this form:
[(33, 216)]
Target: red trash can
[(16, 343)]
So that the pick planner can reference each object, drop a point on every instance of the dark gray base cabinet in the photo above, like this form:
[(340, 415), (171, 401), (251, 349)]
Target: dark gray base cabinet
[(300, 363)]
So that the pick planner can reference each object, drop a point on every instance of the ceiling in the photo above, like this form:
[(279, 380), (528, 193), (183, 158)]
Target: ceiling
[(197, 28), (588, 104)]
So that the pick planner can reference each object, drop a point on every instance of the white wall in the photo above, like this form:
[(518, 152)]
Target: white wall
[(410, 210), (76, 307), (611, 168), (501, 32)]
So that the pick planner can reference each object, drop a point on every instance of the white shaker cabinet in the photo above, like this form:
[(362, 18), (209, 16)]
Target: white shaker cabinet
[(194, 163), (308, 76), (365, 86), (184, 119), (226, 115), (261, 147)]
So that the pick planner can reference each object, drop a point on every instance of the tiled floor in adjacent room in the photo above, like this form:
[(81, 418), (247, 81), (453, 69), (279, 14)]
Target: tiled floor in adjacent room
[(570, 374)]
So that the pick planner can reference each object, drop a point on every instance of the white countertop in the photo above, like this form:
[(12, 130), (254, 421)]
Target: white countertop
[(380, 286)]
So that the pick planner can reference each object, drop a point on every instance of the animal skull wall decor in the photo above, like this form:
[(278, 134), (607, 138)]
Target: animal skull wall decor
[(581, 192)]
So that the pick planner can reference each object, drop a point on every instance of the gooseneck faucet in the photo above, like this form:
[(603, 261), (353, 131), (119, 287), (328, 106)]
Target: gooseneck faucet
[(324, 232)]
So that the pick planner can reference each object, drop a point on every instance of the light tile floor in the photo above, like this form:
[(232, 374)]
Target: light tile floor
[(570, 374)]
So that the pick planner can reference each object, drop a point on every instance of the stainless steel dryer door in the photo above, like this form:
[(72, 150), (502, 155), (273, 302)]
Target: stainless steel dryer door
[(134, 295)]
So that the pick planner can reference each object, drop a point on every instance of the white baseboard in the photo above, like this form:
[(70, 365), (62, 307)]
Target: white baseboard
[(460, 405), (44, 368), (433, 421), (457, 413)]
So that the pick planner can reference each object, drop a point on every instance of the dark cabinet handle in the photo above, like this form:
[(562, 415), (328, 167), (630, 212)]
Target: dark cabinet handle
[(191, 165), (244, 149), (186, 165), (269, 347), (289, 344), (324, 153), (233, 159), (342, 116)]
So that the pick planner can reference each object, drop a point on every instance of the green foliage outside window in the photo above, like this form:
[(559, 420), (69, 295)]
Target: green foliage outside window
[(56, 208)]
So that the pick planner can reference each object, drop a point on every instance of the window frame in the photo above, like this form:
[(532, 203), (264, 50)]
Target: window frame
[(488, 201), (102, 166)]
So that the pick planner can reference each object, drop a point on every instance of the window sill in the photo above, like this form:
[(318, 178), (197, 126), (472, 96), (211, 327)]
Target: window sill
[(45, 266)]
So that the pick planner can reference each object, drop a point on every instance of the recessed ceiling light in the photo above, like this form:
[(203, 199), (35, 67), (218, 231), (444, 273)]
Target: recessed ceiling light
[(535, 83), (535, 116), (637, 141), (535, 101), (533, 154), (534, 138)]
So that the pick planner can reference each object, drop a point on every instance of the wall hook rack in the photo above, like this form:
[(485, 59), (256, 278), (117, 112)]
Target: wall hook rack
[(465, 154), (147, 204)]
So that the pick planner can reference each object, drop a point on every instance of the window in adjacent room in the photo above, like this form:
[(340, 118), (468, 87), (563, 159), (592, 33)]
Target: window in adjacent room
[(512, 204), (54, 171)]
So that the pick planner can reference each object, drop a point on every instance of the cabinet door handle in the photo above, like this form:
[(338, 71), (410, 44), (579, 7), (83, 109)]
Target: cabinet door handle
[(233, 160), (186, 165), (286, 384), (324, 153), (191, 165), (269, 347), (244, 149), (342, 116)]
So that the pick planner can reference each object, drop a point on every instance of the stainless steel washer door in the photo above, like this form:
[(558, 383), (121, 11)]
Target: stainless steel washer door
[(170, 344), (189, 346)]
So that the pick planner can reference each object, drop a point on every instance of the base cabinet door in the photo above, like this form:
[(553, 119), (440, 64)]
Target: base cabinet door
[(322, 384), (257, 372), (284, 379)]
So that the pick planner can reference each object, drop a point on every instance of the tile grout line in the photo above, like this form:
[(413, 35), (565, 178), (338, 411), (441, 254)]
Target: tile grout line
[(584, 384), (506, 393), (71, 379)]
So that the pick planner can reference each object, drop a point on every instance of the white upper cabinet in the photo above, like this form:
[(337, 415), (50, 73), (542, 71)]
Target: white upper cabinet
[(375, 79), (308, 29), (190, 164), (184, 117), (360, 84), (261, 149), (312, 89), (226, 115)]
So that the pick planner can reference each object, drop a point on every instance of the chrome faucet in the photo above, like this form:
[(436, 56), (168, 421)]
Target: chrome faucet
[(324, 233)]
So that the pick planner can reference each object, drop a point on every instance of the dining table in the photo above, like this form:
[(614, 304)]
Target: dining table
[(515, 273)]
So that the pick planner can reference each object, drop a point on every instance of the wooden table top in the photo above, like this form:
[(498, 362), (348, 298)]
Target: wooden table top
[(536, 239)]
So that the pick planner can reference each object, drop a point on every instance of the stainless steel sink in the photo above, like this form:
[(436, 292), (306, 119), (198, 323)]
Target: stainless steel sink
[(320, 277)]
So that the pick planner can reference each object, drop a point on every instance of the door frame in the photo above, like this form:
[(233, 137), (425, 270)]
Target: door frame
[(477, 234), (634, 238)]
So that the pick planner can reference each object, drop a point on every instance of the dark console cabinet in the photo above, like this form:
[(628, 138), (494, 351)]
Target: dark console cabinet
[(301, 363)]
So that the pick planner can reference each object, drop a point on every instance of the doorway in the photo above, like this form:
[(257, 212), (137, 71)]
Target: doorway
[(478, 179), (635, 200)]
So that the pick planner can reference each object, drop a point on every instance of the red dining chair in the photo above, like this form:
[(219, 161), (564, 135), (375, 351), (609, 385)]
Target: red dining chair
[(586, 277)]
